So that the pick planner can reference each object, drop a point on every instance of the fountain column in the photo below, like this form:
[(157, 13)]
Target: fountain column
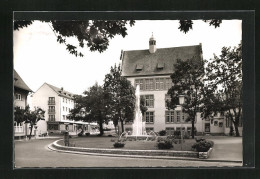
[(138, 124)]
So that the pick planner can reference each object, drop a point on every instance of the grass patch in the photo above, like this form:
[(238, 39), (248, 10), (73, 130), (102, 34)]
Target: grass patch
[(105, 142)]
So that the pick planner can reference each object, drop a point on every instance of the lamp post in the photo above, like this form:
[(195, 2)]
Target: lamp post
[(181, 101), (66, 134)]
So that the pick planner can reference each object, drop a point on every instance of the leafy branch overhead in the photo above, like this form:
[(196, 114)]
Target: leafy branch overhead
[(95, 34), (186, 25)]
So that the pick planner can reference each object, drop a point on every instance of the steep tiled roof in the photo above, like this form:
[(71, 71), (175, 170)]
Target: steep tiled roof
[(60, 91), (144, 63), (19, 83)]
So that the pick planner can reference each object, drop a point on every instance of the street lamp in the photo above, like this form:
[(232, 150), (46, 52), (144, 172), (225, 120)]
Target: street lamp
[(181, 101)]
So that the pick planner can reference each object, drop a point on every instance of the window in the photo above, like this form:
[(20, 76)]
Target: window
[(149, 129), (220, 124), (161, 83), (228, 122), (151, 83), (215, 123), (169, 116), (53, 126), (147, 85), (178, 113), (51, 117), (157, 84), (63, 117), (18, 97), (66, 100), (51, 108), (66, 109), (63, 99), (149, 101), (63, 108), (128, 129), (51, 101), (140, 82), (182, 117), (167, 98), (169, 130), (168, 83), (149, 117), (207, 127), (179, 129)]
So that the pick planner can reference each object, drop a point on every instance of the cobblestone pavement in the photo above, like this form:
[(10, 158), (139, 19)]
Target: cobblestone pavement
[(35, 153)]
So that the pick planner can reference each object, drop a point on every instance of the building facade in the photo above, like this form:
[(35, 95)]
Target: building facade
[(57, 104), (21, 91), (151, 70)]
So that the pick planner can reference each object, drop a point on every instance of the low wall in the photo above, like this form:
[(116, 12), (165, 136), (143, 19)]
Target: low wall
[(171, 153)]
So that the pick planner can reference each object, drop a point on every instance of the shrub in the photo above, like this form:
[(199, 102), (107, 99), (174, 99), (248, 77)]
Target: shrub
[(199, 139), (162, 132), (119, 144), (80, 134), (177, 134), (87, 134), (165, 144), (203, 145)]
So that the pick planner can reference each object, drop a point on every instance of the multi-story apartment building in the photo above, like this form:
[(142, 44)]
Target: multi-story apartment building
[(151, 70), (57, 104), (21, 91)]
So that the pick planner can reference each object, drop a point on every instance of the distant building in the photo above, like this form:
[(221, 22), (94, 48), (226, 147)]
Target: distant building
[(57, 104), (151, 70), (21, 91)]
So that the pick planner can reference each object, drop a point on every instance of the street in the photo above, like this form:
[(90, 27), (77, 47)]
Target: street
[(35, 153)]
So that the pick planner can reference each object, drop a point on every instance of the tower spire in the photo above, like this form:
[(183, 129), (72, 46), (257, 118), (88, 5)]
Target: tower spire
[(152, 44)]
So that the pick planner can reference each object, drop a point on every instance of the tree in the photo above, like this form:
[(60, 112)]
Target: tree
[(188, 82), (94, 34), (95, 106), (28, 116), (78, 113), (224, 78), (120, 96)]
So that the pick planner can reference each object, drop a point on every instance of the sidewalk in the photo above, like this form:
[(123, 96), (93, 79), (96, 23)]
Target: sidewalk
[(226, 148)]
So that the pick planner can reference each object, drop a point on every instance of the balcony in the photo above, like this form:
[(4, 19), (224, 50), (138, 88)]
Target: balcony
[(51, 119), (51, 111), (51, 102)]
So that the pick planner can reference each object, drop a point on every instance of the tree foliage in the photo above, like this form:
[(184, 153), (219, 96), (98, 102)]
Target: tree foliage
[(186, 25), (120, 96), (28, 116), (188, 82), (224, 79), (95, 34)]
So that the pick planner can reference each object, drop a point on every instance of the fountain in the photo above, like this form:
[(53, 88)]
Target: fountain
[(138, 124)]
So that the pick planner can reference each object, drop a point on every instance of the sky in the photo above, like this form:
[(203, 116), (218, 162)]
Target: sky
[(39, 58)]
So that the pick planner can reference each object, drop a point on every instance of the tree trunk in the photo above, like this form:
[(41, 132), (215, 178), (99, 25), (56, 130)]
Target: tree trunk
[(31, 131), (192, 129), (101, 128), (236, 129), (122, 125)]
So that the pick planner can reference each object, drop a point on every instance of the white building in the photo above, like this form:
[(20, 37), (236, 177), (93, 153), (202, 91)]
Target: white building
[(57, 104), (151, 69)]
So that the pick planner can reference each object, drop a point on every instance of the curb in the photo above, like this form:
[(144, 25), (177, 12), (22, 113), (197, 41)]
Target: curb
[(50, 147)]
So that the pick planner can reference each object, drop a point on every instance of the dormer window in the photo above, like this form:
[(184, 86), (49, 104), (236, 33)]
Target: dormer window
[(139, 67), (160, 66)]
